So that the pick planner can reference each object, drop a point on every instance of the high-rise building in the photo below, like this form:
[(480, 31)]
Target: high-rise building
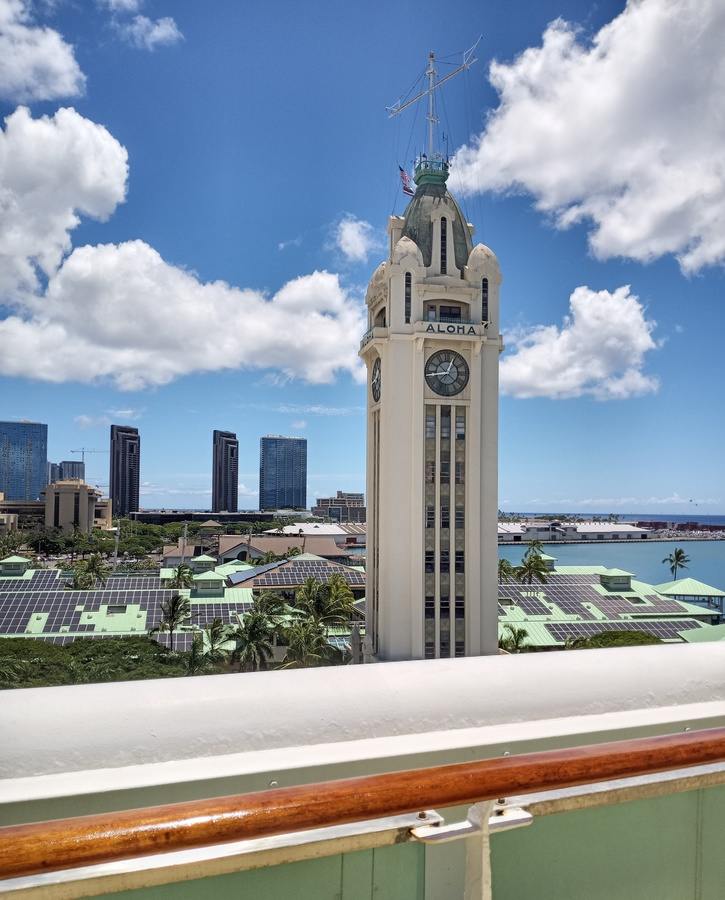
[(23, 459), (282, 472), (73, 469), (345, 506), (431, 352), (225, 472), (53, 472), (125, 469)]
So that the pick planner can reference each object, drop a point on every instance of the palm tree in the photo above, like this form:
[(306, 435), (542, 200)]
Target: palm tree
[(535, 548), (532, 568), (678, 559), (175, 612), (310, 599), (515, 640), (340, 600), (198, 662), (253, 641), (506, 570), (183, 577), (96, 569), (307, 645), (82, 581), (270, 604), (217, 634)]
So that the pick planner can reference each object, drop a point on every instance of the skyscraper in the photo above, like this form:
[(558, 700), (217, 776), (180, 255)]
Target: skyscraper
[(282, 472), (225, 472), (125, 469), (53, 472), (23, 459), (72, 468)]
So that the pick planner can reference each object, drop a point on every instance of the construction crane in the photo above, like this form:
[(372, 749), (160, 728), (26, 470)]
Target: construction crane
[(84, 450)]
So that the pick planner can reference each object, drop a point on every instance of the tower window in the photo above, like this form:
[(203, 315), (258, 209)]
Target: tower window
[(430, 422), (445, 561), (445, 421), (446, 470), (408, 280), (430, 517), (430, 472), (484, 299), (445, 516), (430, 560), (460, 424), (460, 473), (460, 517), (460, 561), (444, 246)]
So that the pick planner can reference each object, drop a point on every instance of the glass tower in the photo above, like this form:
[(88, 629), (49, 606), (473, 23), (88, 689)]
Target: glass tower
[(23, 459), (282, 472)]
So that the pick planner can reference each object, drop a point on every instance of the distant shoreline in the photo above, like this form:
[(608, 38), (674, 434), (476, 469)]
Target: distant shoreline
[(622, 543)]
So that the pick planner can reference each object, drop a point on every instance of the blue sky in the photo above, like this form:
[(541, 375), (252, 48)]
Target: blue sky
[(261, 169)]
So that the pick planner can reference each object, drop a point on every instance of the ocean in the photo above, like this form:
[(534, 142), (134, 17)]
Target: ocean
[(707, 558)]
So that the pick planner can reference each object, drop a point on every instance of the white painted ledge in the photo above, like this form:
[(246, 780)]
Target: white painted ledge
[(90, 739)]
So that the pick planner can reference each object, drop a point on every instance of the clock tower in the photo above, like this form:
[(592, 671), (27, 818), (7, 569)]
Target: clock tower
[(431, 352)]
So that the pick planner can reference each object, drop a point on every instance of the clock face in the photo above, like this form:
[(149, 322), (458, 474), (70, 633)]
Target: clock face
[(376, 380), (446, 372)]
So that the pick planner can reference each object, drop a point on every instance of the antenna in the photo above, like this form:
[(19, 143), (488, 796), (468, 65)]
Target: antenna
[(468, 60)]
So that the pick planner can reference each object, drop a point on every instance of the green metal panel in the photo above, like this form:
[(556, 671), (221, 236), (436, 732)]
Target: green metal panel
[(642, 850), (388, 873)]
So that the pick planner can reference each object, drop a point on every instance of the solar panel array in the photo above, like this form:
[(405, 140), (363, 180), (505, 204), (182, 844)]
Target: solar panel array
[(42, 579), (571, 592), (664, 629), (294, 573)]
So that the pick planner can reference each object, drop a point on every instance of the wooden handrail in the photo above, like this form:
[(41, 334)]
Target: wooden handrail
[(86, 840)]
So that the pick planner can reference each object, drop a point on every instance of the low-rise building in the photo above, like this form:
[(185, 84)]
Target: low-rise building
[(524, 532), (345, 506)]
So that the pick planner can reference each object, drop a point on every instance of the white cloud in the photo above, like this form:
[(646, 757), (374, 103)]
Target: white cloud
[(35, 62), (624, 131), (599, 351), (292, 242), (355, 238), (84, 420), (52, 169), (147, 34), (127, 6), (299, 424), (121, 313)]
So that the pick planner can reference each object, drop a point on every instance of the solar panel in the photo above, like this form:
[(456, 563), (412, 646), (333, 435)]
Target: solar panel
[(667, 629)]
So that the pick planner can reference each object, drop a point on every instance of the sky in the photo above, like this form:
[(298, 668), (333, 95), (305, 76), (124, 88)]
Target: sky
[(194, 196)]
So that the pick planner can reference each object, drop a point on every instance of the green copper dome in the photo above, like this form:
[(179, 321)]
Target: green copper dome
[(428, 200)]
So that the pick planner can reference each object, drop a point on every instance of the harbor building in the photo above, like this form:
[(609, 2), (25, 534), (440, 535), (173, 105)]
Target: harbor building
[(225, 472), (23, 459), (125, 469), (282, 472)]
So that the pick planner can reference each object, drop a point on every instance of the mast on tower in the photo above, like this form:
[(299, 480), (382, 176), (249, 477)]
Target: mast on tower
[(432, 165)]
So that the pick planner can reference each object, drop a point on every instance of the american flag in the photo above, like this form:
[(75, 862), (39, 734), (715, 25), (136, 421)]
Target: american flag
[(407, 189)]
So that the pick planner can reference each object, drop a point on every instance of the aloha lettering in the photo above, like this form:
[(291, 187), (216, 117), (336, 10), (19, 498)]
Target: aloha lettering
[(451, 329)]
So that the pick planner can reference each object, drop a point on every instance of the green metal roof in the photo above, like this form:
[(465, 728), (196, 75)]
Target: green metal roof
[(209, 576), (618, 573), (203, 558), (431, 200), (702, 635), (688, 587), (14, 559)]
